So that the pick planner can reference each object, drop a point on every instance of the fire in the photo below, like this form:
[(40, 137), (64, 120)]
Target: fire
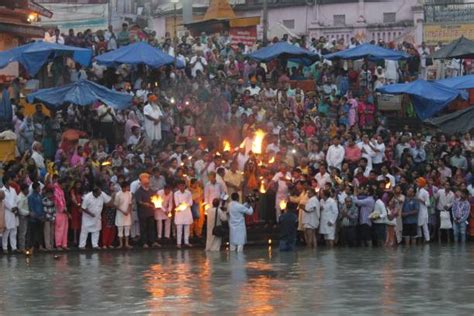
[(316, 189), (388, 185), (200, 139), (283, 204), (272, 160), (170, 215), (106, 163), (262, 189), (226, 145), (157, 201), (260, 163), (257, 141), (182, 207)]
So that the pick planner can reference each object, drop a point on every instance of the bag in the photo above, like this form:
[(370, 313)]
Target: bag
[(445, 220), (429, 62), (218, 230)]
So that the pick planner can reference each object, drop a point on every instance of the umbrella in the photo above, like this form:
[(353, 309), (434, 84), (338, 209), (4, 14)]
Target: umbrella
[(460, 48), (372, 52), (428, 97), (285, 51), (137, 53), (34, 55), (83, 93), (456, 122), (463, 82)]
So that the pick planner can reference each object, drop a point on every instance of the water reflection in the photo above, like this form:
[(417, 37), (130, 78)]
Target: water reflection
[(417, 280)]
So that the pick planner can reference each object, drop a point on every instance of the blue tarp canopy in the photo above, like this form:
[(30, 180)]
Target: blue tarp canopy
[(34, 55), (428, 97), (463, 82), (285, 51), (136, 54), (372, 52), (83, 93)]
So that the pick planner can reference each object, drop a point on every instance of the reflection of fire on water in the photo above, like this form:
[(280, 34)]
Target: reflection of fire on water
[(257, 141), (157, 201)]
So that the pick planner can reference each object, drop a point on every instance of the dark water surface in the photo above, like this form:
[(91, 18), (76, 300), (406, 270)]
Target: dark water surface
[(419, 280)]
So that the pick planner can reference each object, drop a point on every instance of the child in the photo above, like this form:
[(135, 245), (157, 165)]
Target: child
[(50, 218), (123, 217)]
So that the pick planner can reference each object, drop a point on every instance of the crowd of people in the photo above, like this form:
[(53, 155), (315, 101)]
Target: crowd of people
[(225, 143)]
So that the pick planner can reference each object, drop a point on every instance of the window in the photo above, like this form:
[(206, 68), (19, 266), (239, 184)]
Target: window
[(389, 17), (339, 19), (290, 24)]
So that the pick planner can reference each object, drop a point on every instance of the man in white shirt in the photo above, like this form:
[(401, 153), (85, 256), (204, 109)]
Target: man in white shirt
[(197, 63), (213, 189), (335, 155), (37, 155), (322, 177), (379, 149), (9, 201), (91, 207)]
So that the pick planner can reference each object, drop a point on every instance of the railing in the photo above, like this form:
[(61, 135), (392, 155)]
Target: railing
[(445, 13)]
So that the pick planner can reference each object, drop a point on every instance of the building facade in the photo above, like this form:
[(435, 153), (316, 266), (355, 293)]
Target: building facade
[(388, 20)]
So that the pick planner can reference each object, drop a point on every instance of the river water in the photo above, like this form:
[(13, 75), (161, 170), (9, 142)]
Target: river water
[(418, 280)]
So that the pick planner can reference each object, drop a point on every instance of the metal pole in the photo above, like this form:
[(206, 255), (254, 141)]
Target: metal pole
[(175, 21), (265, 22), (109, 12)]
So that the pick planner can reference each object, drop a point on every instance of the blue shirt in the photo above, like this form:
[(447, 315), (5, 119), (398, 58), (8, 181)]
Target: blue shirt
[(410, 205), (35, 203)]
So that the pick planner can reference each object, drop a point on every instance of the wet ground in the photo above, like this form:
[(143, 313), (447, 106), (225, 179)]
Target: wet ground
[(419, 280)]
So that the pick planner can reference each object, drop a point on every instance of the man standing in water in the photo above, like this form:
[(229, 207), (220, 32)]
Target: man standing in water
[(237, 229)]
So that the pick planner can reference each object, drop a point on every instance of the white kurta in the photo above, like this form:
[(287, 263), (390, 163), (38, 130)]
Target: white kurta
[(237, 229), (329, 214), (162, 213), (424, 198), (93, 205), (184, 217), (311, 214), (213, 243), (123, 201), (10, 202), (152, 130), (335, 156)]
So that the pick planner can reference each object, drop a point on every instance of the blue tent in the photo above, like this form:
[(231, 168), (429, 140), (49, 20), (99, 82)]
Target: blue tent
[(6, 111), (463, 82), (83, 93), (428, 97), (135, 54), (34, 55), (372, 52), (286, 51)]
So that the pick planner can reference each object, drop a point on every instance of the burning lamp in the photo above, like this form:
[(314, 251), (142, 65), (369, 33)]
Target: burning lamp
[(262, 188), (283, 204), (182, 207), (388, 185), (269, 241), (226, 145), (172, 100), (157, 201)]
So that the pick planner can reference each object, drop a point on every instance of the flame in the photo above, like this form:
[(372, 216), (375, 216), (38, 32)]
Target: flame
[(170, 215), (316, 189), (182, 207), (388, 185), (106, 163), (260, 163), (257, 141), (272, 160), (269, 241), (242, 145), (206, 207), (199, 139), (262, 189), (226, 145), (157, 200), (283, 204)]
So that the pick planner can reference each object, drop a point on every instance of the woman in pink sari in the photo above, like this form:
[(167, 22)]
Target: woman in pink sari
[(62, 223), (77, 158)]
